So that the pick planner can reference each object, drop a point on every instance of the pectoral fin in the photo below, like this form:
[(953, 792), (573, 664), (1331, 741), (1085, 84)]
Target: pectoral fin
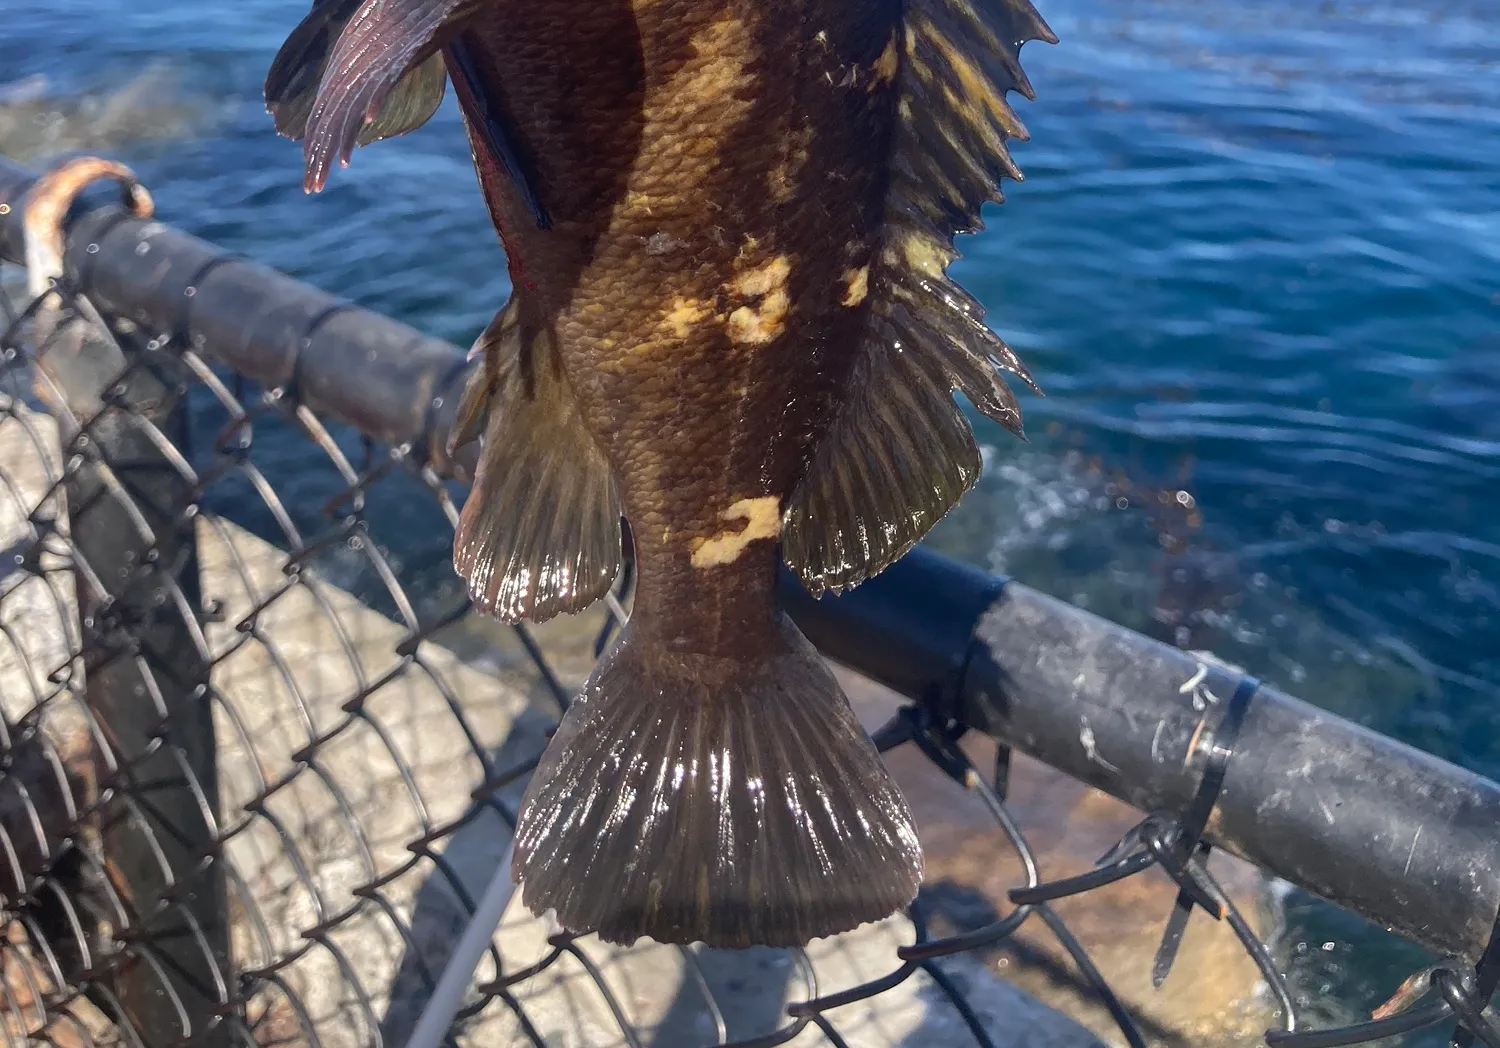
[(389, 77), (293, 79), (539, 533), (410, 104), (493, 349), (296, 74), (381, 76)]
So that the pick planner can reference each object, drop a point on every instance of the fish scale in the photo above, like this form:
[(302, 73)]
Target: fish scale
[(728, 225)]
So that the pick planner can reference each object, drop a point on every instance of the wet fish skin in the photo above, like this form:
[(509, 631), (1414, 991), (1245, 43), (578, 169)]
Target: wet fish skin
[(734, 328), (708, 220)]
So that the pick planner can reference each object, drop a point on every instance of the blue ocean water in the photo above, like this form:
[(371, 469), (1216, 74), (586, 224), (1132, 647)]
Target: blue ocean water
[(1255, 266)]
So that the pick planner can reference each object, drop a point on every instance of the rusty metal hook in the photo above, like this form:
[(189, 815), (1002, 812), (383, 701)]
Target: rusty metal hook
[(48, 201)]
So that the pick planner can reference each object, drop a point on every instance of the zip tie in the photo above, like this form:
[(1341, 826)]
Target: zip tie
[(1190, 844)]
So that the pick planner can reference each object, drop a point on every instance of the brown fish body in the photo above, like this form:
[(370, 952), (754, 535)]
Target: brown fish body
[(715, 175), (727, 223)]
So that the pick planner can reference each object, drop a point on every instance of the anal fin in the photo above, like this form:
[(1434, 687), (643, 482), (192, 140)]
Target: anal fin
[(296, 75), (375, 80), (539, 534)]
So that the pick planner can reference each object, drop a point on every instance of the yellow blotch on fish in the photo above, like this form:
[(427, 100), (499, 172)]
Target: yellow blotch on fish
[(762, 517), (856, 286), (713, 91), (887, 65), (926, 255), (684, 314), (717, 71), (764, 318)]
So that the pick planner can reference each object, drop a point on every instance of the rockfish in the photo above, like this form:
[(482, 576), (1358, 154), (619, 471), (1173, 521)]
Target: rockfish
[(728, 224)]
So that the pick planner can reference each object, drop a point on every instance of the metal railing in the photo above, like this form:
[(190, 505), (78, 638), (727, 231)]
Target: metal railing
[(191, 858)]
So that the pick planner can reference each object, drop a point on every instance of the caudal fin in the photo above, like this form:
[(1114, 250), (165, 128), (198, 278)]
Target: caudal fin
[(694, 798)]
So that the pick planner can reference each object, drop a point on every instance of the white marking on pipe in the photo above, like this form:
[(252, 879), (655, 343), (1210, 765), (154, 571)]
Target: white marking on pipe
[(1091, 745), (1415, 837)]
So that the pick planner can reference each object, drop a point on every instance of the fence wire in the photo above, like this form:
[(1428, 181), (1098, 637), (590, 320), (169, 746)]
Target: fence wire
[(258, 759)]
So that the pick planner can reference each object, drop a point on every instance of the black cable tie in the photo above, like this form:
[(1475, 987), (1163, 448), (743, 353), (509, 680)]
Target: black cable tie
[(1190, 846), (892, 733), (1001, 781), (938, 741), (1129, 843)]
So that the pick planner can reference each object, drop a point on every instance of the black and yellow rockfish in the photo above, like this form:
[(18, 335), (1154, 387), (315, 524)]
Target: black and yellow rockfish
[(728, 224)]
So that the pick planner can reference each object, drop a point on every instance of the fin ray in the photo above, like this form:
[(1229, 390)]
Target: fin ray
[(900, 453), (411, 103), (539, 534), (382, 42), (899, 457), (297, 73), (734, 802), (293, 79)]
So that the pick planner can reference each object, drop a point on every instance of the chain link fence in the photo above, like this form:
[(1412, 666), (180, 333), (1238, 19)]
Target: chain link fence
[(258, 760)]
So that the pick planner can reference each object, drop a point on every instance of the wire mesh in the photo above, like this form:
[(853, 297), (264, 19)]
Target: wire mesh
[(259, 759)]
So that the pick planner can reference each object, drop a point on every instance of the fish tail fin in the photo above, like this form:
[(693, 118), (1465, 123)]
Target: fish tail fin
[(729, 801)]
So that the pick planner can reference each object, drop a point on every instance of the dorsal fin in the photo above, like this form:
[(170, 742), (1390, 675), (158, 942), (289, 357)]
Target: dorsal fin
[(900, 454), (295, 76)]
